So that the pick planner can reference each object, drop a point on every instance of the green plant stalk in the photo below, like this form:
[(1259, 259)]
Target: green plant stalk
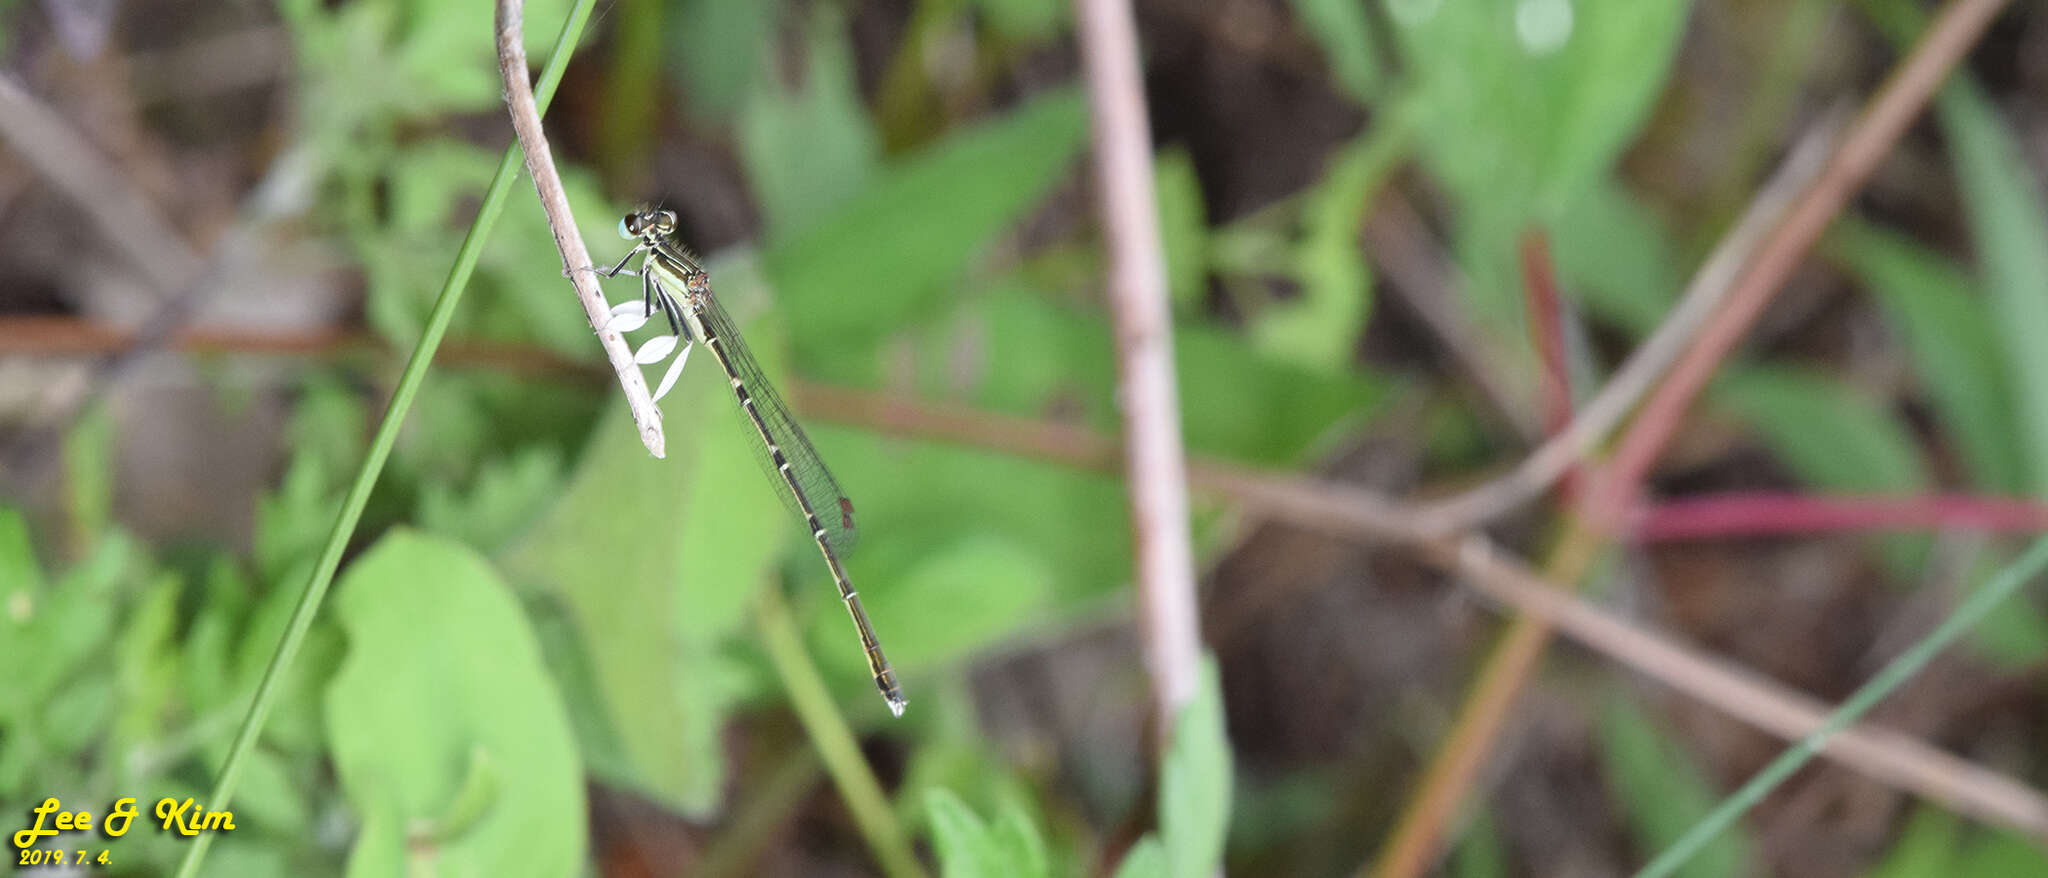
[(833, 739), (380, 447), (1966, 616)]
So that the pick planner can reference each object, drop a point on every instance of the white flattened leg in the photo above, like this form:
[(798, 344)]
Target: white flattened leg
[(675, 370)]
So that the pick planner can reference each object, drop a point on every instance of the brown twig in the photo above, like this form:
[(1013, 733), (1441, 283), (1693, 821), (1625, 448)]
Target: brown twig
[(166, 263), (1422, 279), (48, 336), (1347, 513), (1453, 769), (1537, 472), (96, 186), (1546, 329), (1777, 514), (1153, 457), (540, 163), (1890, 111)]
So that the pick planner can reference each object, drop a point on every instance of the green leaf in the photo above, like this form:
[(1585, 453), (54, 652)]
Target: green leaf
[(1195, 782), (443, 671), (718, 47), (628, 552), (1954, 342), (988, 586), (806, 152), (2009, 225), (1320, 329), (1925, 849), (1617, 256), (970, 848), (1526, 102), (1661, 791), (2004, 853), (1833, 436), (1344, 30), (1480, 850), (147, 663), (89, 473), (882, 259), (1025, 20), (1146, 859), (508, 493), (1183, 228), (1830, 434), (1237, 401), (18, 566)]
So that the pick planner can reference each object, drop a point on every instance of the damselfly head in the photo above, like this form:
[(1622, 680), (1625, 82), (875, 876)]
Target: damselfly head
[(648, 222)]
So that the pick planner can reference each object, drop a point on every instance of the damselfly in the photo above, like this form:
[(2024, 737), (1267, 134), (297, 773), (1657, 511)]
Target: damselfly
[(673, 281)]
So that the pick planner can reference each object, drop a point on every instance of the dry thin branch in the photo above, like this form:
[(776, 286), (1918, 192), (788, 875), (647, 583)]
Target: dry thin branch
[(1337, 511), (1703, 294), (1144, 343), (1890, 111), (1451, 772), (1421, 277), (166, 264), (1889, 757), (96, 186), (540, 163)]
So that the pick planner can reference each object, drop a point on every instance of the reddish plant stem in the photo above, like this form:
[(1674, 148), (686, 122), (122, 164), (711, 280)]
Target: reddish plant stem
[(1786, 514), (1546, 326), (1870, 139)]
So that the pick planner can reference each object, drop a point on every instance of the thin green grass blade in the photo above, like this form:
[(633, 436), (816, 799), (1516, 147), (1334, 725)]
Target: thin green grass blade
[(833, 738), (380, 446), (1967, 614)]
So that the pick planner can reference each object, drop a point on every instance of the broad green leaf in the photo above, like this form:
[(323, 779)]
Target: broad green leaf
[(1954, 343), (448, 735), (987, 586), (1480, 851), (806, 152), (48, 634), (1925, 849), (1343, 29), (2003, 853), (1320, 329), (507, 494), (2016, 638), (1026, 20), (718, 47), (609, 553), (1832, 436), (88, 474), (1146, 859), (2009, 224), (1526, 102), (1661, 792), (971, 848), (882, 259), (1195, 782), (147, 663), (1236, 401), (655, 561), (1828, 433), (1183, 228), (21, 577), (1615, 255), (295, 721)]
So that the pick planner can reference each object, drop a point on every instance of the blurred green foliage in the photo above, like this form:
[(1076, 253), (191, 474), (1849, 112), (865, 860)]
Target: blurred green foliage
[(569, 606)]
